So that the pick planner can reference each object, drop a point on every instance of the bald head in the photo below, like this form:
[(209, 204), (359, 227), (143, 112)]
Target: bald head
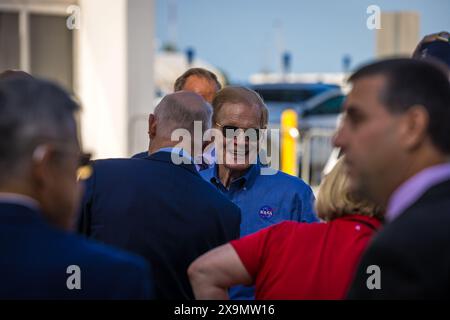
[(180, 110)]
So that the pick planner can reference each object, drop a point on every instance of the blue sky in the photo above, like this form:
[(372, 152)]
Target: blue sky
[(245, 36)]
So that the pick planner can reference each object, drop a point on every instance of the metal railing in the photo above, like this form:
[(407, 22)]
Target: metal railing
[(315, 149)]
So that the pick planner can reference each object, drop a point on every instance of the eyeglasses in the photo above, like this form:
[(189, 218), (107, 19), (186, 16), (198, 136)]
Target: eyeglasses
[(84, 166), (232, 131), (84, 170)]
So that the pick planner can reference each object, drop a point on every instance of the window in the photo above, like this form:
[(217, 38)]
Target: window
[(34, 38), (9, 41), (330, 106), (51, 53)]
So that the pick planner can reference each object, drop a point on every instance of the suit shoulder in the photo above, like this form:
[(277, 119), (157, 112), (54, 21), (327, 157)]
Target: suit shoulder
[(109, 272), (115, 169), (101, 254), (140, 155), (418, 234), (116, 162), (423, 223)]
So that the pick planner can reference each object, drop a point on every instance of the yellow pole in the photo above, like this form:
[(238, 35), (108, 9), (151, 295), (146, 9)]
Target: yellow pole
[(289, 136)]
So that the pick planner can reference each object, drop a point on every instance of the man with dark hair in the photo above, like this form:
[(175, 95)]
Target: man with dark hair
[(158, 207), (38, 196), (397, 144), (200, 81)]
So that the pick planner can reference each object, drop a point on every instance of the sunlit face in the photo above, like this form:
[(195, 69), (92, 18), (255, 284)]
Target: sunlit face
[(239, 151), (369, 135), (201, 86)]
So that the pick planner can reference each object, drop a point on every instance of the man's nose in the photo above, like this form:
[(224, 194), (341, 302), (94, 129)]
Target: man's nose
[(240, 137), (339, 139)]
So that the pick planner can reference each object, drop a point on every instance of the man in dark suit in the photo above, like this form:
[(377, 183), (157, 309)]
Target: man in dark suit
[(158, 207), (204, 83), (397, 144), (38, 195)]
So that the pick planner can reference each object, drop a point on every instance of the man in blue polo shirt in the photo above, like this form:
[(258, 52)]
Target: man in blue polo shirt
[(264, 199)]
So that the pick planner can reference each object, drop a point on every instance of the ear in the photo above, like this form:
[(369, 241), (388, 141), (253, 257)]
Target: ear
[(41, 170), (151, 126), (414, 127)]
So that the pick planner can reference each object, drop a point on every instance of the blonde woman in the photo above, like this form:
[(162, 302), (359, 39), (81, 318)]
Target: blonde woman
[(294, 260)]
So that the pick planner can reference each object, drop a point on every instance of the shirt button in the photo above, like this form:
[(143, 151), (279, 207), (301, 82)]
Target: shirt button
[(358, 227)]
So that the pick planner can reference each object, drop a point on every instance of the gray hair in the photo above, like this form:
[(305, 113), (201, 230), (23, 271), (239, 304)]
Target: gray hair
[(179, 110), (244, 95), (32, 112)]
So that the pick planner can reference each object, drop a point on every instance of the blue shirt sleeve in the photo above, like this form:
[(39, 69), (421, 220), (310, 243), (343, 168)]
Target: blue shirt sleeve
[(304, 205)]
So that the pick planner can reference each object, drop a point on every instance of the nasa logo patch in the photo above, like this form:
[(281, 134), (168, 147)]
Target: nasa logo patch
[(266, 212)]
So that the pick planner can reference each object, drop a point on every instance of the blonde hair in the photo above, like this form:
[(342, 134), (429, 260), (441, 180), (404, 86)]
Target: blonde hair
[(336, 200)]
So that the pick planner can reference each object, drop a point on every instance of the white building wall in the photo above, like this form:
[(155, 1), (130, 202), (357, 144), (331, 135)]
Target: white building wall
[(140, 62), (114, 73)]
